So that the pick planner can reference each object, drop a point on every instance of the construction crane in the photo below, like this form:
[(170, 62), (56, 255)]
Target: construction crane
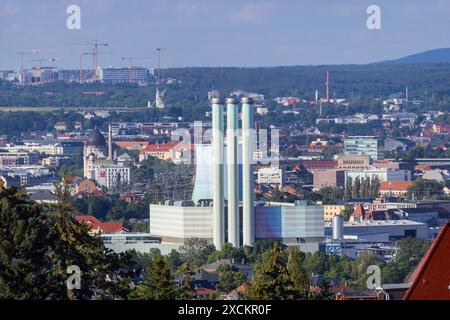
[(53, 61), (94, 53), (22, 55), (21, 71), (95, 45), (38, 72), (130, 68), (158, 64)]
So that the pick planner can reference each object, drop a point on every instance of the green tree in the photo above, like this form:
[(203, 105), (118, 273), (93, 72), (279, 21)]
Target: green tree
[(297, 273), (271, 277), (37, 245), (348, 189), (422, 189), (229, 279), (186, 291), (356, 189), (158, 283), (195, 251)]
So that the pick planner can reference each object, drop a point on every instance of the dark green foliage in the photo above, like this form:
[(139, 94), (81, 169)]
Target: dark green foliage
[(195, 251), (229, 278), (38, 243), (422, 189), (158, 284)]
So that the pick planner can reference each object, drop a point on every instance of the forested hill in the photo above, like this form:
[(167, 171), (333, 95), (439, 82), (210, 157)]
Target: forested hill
[(347, 81), (441, 55), (377, 80)]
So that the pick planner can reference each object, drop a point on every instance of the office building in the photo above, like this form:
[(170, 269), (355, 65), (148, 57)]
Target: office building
[(364, 146)]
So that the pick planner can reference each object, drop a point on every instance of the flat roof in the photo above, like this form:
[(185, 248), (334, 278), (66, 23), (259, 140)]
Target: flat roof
[(378, 223)]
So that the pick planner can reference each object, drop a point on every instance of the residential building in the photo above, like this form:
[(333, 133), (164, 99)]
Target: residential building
[(394, 188), (97, 227), (328, 178), (331, 210), (353, 162)]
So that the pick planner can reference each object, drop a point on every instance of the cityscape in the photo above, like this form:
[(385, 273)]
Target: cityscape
[(128, 177)]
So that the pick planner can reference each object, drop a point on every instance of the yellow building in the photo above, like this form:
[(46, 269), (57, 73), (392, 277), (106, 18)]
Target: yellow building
[(330, 210)]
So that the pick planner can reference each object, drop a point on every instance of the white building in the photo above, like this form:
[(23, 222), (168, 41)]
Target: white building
[(99, 164), (111, 175), (270, 175), (382, 174), (49, 149), (177, 223)]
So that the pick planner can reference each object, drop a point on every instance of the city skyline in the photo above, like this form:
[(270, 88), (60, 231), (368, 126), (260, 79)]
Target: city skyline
[(201, 33)]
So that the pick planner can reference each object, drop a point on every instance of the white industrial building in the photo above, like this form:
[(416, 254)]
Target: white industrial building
[(177, 223), (383, 174), (394, 229)]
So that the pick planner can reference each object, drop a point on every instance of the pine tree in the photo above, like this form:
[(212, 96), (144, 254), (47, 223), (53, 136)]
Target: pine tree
[(186, 291), (271, 277), (38, 243), (23, 248), (74, 246), (158, 284), (297, 274)]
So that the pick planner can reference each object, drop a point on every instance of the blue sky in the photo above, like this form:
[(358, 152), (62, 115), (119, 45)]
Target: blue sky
[(223, 32)]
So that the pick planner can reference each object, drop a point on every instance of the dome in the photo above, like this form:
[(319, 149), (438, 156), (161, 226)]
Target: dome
[(96, 139)]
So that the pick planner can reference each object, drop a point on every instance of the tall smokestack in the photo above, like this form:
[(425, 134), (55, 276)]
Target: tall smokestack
[(218, 178), (328, 86), (110, 142), (248, 210), (232, 171)]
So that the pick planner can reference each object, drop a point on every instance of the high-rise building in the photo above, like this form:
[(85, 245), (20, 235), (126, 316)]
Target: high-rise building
[(124, 75), (364, 146)]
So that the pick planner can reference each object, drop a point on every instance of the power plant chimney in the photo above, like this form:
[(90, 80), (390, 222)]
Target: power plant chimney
[(248, 210), (232, 171), (218, 174), (110, 142)]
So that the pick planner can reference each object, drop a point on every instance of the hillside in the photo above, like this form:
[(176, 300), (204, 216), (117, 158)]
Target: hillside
[(441, 55)]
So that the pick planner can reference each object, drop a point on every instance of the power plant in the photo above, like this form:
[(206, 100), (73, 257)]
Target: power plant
[(233, 178), (223, 207)]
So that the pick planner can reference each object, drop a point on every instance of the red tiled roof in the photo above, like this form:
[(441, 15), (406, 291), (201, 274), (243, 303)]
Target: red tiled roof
[(160, 147), (358, 211), (241, 289), (104, 227), (431, 278), (395, 185)]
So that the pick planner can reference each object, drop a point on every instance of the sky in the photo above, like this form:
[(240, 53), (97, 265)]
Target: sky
[(219, 33)]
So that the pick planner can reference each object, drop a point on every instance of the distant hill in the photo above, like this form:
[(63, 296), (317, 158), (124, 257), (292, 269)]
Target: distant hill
[(431, 56)]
